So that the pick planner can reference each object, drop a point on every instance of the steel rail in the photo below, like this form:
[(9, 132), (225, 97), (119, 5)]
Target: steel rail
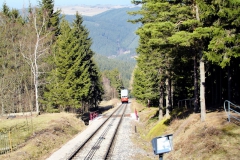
[(74, 153), (107, 155), (96, 146)]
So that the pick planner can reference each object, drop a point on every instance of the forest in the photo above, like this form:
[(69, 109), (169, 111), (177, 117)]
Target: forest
[(46, 62), (187, 50)]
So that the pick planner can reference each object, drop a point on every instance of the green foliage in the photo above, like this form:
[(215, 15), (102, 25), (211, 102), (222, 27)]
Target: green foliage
[(172, 34), (124, 67), (169, 36), (49, 109), (112, 36), (115, 79), (75, 76), (58, 94), (47, 7)]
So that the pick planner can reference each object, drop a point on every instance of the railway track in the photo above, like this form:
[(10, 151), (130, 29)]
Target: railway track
[(99, 144)]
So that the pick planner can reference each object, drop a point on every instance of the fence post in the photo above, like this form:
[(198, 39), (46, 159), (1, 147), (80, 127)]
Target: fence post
[(10, 140), (1, 144), (229, 111), (5, 144)]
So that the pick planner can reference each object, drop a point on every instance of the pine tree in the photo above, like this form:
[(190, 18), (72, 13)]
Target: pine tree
[(212, 34), (153, 47), (208, 31)]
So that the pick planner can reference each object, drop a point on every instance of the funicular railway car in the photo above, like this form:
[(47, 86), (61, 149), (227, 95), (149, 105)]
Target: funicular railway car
[(124, 96)]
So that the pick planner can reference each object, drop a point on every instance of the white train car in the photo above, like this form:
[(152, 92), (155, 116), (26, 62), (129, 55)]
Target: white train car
[(124, 96)]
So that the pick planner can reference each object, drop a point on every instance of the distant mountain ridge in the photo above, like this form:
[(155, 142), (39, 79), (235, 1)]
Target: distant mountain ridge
[(87, 10), (112, 35)]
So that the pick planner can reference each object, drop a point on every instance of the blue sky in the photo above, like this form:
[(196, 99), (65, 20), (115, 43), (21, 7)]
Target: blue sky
[(19, 4)]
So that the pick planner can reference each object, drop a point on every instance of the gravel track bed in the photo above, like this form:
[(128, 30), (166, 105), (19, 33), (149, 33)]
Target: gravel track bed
[(124, 148), (98, 145)]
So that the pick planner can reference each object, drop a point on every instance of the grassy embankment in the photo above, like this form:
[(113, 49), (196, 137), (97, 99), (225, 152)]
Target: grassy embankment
[(39, 136), (216, 138)]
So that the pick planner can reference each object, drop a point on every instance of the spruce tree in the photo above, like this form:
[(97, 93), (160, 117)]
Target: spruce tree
[(83, 56), (12, 67), (96, 90), (57, 94), (75, 77), (47, 9)]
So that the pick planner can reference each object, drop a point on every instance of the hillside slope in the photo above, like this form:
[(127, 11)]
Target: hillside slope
[(111, 33), (216, 138)]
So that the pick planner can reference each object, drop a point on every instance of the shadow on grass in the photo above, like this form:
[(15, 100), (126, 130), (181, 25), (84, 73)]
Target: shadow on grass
[(235, 120), (98, 110), (179, 113), (103, 109), (176, 113), (182, 113)]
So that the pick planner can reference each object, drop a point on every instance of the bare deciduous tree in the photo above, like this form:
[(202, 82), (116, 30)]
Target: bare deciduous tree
[(34, 46)]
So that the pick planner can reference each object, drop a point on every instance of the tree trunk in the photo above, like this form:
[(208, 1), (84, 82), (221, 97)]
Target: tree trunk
[(229, 83), (202, 78), (36, 72), (160, 116), (202, 89), (220, 88), (196, 102), (168, 97), (172, 91)]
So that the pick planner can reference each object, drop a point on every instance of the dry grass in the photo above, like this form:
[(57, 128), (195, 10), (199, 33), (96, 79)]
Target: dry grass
[(47, 133), (215, 138), (44, 134)]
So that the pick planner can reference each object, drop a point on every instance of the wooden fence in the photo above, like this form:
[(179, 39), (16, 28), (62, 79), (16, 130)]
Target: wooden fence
[(5, 143), (11, 139)]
